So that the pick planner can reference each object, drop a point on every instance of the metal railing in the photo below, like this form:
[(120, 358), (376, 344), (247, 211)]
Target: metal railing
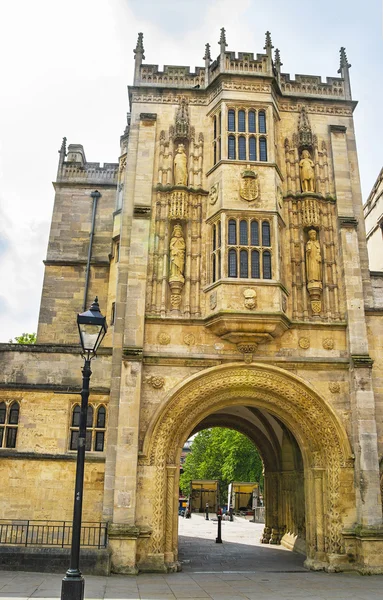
[(50, 533)]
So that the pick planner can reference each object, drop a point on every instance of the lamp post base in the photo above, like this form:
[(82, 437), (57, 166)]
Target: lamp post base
[(72, 588)]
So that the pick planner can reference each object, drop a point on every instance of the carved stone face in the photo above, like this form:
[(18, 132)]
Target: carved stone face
[(305, 154), (250, 297), (312, 234)]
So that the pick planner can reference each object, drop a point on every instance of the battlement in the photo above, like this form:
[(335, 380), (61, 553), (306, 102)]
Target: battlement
[(243, 63), (312, 84), (74, 168)]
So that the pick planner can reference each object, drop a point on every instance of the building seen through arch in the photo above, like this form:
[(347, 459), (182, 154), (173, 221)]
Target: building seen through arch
[(229, 256)]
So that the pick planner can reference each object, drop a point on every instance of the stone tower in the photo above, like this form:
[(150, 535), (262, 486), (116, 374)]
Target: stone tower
[(227, 248)]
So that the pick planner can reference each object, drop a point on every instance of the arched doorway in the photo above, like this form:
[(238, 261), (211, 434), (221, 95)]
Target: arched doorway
[(271, 393)]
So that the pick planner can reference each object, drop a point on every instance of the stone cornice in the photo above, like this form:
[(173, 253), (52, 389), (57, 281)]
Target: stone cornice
[(72, 456), (74, 263), (51, 387), (50, 348)]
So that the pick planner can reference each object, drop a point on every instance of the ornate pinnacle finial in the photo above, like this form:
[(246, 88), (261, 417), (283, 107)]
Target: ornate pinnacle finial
[(139, 49), (277, 59), (268, 43), (222, 39), (304, 129), (63, 147), (344, 64), (207, 53)]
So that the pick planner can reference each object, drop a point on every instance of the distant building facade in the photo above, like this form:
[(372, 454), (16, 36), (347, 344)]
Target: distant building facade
[(227, 248), (373, 215)]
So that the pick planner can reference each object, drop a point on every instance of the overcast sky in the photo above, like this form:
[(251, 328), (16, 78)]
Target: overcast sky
[(65, 68)]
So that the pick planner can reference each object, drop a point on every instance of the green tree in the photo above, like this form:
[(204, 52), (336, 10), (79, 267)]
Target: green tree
[(24, 338), (222, 454)]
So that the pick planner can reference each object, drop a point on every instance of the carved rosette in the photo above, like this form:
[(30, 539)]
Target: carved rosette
[(304, 343)]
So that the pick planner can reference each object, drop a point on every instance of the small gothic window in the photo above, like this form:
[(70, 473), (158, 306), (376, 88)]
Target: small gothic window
[(232, 232), (255, 271), (213, 269), (262, 149), (243, 233), (252, 148), (242, 147), (254, 231), (95, 423), (251, 121), (214, 237), (243, 264), (231, 147), (231, 120), (215, 152), (113, 313), (215, 127), (9, 420), (241, 121), (266, 265), (262, 121), (266, 233), (216, 252), (232, 271)]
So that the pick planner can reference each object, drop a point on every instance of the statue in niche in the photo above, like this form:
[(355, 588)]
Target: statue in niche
[(306, 170), (180, 166), (177, 254), (313, 258)]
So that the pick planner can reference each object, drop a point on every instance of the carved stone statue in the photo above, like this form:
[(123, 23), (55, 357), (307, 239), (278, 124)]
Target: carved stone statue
[(180, 166), (306, 170), (313, 258), (177, 254)]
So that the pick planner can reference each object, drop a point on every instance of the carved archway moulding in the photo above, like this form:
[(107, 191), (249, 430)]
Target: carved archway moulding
[(317, 429)]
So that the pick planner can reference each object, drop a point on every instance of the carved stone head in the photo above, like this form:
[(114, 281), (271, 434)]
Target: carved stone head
[(250, 297)]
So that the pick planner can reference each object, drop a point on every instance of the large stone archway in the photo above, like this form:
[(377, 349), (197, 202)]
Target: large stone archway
[(321, 438)]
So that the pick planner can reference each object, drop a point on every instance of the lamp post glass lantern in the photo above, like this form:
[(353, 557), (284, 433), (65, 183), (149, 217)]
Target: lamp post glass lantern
[(92, 328)]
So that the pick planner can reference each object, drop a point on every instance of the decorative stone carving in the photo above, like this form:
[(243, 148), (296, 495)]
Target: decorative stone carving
[(306, 170), (334, 387), (249, 189), (179, 205), (177, 264), (163, 338), (310, 212), (328, 344), (213, 300), (213, 193), (305, 135), (304, 343), (314, 271), (155, 381), (247, 350), (180, 166), (250, 297), (279, 197), (189, 339)]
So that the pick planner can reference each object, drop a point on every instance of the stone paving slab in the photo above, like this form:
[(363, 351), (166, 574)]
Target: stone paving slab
[(274, 574)]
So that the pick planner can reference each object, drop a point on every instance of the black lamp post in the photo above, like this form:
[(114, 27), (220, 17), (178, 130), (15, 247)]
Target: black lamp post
[(92, 327)]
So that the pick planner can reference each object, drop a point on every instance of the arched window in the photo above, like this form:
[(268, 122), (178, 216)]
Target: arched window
[(255, 271), (267, 265), (241, 121), (243, 233), (262, 149), (251, 121), (215, 127), (262, 121), (95, 428), (232, 263), (231, 147), (254, 233), (100, 429), (243, 264), (9, 420), (252, 148), (232, 232), (231, 120), (215, 252), (214, 152), (214, 237), (266, 233), (242, 147)]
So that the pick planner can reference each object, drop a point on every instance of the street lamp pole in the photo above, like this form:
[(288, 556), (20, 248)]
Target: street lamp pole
[(92, 327)]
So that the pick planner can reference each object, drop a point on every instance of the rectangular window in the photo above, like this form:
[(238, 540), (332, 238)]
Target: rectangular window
[(99, 444), (249, 256), (252, 147)]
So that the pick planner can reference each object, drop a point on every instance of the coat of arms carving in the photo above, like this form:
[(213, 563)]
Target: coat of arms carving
[(249, 189)]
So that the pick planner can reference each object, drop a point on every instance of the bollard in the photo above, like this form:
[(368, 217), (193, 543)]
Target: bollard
[(231, 514), (218, 539), (207, 512)]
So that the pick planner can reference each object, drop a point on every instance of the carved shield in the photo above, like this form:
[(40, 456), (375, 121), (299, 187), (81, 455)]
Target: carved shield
[(249, 189)]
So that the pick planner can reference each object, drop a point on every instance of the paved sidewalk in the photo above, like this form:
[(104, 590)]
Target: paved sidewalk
[(219, 573)]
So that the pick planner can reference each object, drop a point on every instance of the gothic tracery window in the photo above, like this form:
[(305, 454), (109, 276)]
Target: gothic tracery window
[(249, 256), (95, 424), (247, 139), (9, 421)]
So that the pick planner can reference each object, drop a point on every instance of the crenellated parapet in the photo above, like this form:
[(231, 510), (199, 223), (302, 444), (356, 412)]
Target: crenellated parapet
[(242, 63), (73, 168)]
